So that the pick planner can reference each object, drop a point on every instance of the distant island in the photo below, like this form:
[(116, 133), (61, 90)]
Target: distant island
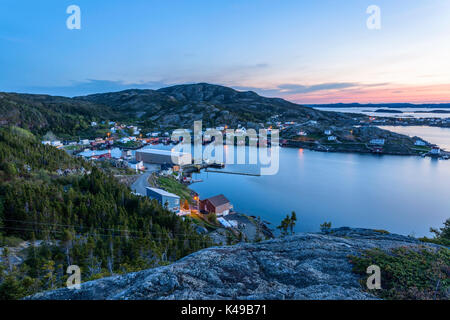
[(381, 105), (388, 111), (432, 111)]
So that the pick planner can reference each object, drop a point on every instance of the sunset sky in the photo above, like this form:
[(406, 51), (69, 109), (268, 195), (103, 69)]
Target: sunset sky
[(308, 52)]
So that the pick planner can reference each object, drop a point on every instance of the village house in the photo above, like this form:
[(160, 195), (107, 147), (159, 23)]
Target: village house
[(332, 138), (219, 205), (56, 143), (84, 142), (435, 151), (420, 143), (153, 134), (126, 154), (136, 165), (327, 132), (378, 142)]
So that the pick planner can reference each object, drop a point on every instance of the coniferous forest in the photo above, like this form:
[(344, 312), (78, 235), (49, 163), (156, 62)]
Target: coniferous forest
[(86, 218)]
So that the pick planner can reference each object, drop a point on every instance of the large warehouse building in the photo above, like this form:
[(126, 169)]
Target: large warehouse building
[(163, 157), (166, 199)]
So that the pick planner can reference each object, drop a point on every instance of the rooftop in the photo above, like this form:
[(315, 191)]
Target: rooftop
[(162, 152), (218, 200), (134, 162), (163, 192)]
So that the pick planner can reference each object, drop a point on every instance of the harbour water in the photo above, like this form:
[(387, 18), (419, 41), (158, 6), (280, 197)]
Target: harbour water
[(405, 195)]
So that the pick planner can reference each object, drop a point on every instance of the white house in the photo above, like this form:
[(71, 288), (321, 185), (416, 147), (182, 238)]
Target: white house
[(378, 142), (327, 132), (332, 138), (136, 165), (56, 143), (127, 154), (435, 150), (420, 143), (47, 143), (125, 140), (84, 142), (93, 124)]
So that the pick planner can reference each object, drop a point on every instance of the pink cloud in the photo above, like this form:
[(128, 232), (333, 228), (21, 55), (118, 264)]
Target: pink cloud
[(413, 94)]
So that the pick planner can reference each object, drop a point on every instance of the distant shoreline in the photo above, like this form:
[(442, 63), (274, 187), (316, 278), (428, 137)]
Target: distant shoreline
[(381, 105)]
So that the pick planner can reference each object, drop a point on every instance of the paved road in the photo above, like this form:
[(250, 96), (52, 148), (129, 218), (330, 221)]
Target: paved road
[(142, 182)]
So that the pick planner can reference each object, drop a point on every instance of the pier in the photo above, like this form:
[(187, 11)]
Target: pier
[(232, 172)]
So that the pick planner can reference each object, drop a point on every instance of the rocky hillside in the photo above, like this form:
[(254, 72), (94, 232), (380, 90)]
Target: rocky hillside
[(216, 105), (172, 107), (304, 266)]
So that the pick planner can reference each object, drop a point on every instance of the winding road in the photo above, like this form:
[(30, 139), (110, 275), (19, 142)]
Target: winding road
[(142, 182)]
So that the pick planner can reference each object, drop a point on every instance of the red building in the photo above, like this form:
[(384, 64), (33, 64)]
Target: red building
[(219, 205)]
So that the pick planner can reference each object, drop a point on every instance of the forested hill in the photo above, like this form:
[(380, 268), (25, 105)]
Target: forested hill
[(85, 218), (42, 113)]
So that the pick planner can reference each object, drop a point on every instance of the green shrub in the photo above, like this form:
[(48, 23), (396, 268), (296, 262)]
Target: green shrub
[(442, 236), (325, 227), (407, 273)]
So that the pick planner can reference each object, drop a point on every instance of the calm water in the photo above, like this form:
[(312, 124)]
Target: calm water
[(406, 112), (405, 195)]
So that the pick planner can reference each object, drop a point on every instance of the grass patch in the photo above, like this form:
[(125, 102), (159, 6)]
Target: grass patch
[(22, 132), (422, 148), (10, 241), (129, 144), (202, 221), (172, 185), (421, 274), (73, 147)]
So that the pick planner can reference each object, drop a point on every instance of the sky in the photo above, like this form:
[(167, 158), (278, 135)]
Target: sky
[(308, 52)]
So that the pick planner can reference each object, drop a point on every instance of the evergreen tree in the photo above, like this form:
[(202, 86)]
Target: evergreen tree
[(292, 221)]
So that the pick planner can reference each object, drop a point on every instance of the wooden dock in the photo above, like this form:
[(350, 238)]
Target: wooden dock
[(233, 172)]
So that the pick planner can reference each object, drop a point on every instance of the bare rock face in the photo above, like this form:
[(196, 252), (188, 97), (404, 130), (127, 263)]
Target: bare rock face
[(304, 266)]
